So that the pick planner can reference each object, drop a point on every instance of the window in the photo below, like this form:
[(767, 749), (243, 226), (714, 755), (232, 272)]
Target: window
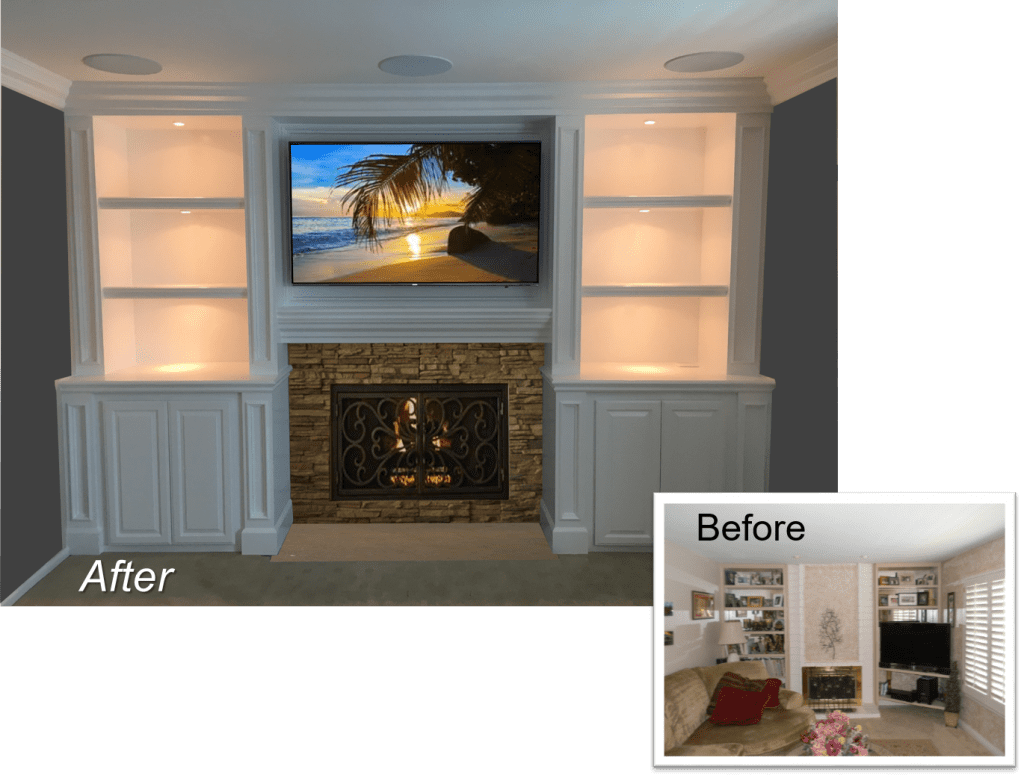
[(985, 640)]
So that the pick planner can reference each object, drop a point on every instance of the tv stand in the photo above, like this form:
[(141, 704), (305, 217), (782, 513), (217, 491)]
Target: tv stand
[(936, 705)]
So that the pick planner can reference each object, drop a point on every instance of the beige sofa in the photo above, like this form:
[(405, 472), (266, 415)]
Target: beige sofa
[(689, 732)]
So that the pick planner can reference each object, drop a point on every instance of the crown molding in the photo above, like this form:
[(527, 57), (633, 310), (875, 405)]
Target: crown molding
[(806, 74), (727, 95), (33, 81)]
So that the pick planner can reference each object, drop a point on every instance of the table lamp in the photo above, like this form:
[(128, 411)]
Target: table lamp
[(732, 636)]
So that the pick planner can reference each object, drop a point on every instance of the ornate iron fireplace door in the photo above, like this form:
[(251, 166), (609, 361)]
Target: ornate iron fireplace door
[(419, 441)]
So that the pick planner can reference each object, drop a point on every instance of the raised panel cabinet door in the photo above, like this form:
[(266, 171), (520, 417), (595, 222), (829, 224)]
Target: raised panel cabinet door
[(204, 452), (135, 453), (627, 471), (694, 439)]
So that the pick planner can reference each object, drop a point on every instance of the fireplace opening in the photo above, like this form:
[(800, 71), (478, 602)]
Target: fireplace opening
[(419, 441), (831, 688)]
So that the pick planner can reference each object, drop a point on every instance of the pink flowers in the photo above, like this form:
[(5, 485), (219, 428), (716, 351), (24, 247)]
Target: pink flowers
[(835, 736)]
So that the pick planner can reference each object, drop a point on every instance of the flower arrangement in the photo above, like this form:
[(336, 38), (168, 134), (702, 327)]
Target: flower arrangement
[(835, 736)]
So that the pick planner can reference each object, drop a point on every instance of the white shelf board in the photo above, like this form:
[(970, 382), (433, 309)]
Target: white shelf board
[(172, 203), (695, 201), (174, 292), (655, 290)]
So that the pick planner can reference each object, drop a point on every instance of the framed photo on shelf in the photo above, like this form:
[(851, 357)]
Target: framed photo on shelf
[(906, 579), (922, 598), (883, 580), (731, 600), (894, 599), (908, 598), (743, 602), (951, 609), (779, 625), (925, 579), (742, 578), (776, 578), (755, 602), (730, 577), (883, 600), (777, 600), (703, 605)]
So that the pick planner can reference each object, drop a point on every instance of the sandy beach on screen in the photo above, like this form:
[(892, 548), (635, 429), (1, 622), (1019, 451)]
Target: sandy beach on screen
[(510, 256)]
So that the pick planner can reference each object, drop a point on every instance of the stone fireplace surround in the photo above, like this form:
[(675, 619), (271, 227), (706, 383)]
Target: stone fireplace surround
[(318, 366)]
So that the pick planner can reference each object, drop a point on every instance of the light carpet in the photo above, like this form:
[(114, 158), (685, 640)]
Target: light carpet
[(413, 543), (905, 747)]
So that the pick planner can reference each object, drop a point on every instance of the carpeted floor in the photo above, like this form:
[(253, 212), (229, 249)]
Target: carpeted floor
[(911, 724), (904, 748), (233, 579)]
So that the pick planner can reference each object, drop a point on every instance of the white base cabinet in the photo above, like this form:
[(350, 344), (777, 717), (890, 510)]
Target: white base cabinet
[(169, 468), (149, 466), (619, 445)]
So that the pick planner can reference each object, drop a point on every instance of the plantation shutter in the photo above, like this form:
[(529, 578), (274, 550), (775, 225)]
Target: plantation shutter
[(985, 638)]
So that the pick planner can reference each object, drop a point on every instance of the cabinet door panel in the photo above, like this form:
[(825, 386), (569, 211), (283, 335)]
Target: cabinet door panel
[(628, 473), (138, 502), (203, 452), (693, 444)]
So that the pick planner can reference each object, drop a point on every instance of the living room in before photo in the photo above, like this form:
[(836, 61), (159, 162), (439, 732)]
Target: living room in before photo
[(839, 625)]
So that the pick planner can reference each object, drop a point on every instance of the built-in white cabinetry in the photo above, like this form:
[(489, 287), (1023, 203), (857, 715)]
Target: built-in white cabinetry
[(653, 383), (171, 437), (647, 446), (170, 467), (622, 442), (171, 240)]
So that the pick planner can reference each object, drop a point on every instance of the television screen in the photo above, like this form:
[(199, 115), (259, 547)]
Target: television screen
[(415, 213), (918, 645)]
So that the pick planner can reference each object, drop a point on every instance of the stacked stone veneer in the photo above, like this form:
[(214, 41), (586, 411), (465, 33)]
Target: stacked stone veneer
[(318, 366)]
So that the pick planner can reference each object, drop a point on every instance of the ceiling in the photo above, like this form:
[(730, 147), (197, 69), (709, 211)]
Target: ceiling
[(841, 533), (337, 42)]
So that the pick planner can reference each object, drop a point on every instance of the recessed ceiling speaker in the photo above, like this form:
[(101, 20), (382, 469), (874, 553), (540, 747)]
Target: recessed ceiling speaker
[(125, 64), (414, 65), (704, 61)]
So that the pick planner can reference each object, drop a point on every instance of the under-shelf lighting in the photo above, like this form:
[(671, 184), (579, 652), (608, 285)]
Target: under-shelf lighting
[(186, 211), (649, 121), (179, 367), (179, 124), (645, 210), (645, 369)]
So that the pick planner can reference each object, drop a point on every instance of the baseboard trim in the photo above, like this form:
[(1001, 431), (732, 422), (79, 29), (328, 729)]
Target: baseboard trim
[(267, 541), (36, 577), (974, 734)]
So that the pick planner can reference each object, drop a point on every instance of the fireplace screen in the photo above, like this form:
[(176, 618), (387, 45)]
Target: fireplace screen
[(419, 441)]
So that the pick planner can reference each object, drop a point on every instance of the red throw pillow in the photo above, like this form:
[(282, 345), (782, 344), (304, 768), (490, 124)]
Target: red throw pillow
[(736, 681), (736, 706)]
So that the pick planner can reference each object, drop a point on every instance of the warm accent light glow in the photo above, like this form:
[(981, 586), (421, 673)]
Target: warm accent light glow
[(186, 211), (649, 121), (644, 369), (179, 124), (645, 210), (414, 243), (180, 367)]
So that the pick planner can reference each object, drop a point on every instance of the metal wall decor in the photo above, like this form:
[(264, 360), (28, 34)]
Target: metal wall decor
[(419, 441)]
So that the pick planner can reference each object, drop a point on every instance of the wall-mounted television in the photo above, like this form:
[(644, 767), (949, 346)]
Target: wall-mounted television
[(914, 645), (415, 213)]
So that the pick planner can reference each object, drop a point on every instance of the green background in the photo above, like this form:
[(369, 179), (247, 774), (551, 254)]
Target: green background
[(930, 399)]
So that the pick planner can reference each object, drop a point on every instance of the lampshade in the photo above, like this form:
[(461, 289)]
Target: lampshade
[(732, 632)]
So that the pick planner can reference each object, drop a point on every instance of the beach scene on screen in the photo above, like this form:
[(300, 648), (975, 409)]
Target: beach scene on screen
[(415, 213)]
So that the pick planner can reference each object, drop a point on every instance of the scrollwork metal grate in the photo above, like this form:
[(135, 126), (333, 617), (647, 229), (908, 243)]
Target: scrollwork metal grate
[(419, 441)]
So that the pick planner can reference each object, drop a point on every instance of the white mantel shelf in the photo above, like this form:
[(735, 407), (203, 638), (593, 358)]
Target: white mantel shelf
[(615, 378)]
